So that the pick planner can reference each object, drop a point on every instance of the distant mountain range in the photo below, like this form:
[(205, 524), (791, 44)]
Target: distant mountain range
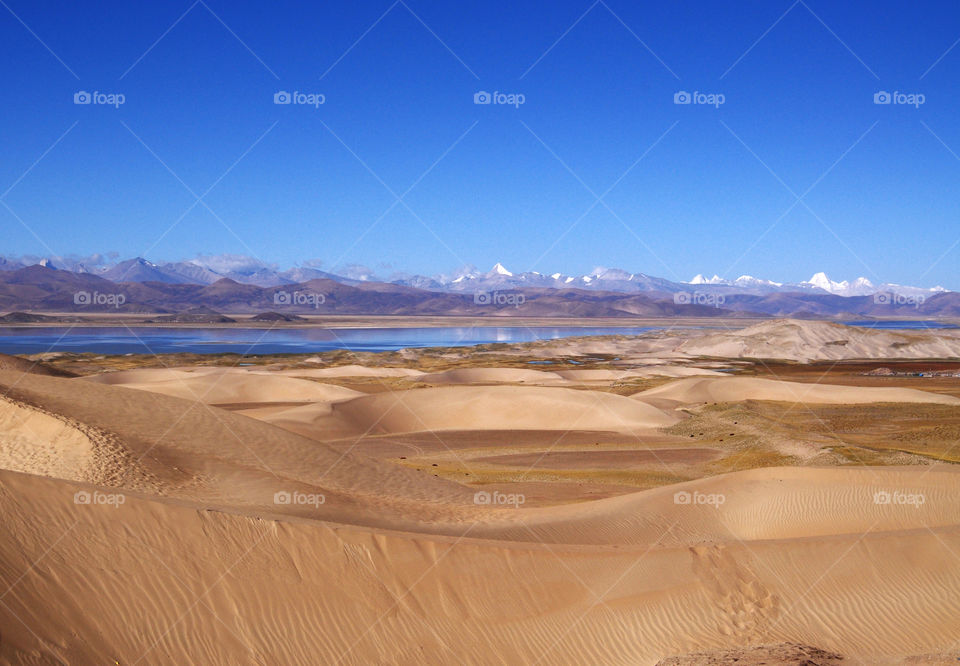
[(140, 286), (246, 270)]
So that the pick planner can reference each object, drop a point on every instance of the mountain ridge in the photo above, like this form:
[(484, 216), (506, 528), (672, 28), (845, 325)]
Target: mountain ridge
[(46, 289), (250, 271)]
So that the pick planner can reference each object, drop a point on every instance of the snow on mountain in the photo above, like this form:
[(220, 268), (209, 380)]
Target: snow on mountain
[(699, 279), (750, 281), (864, 287), (139, 269), (859, 287), (209, 269), (191, 272), (742, 281)]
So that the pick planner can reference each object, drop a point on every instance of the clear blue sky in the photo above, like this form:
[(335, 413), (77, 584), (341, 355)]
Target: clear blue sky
[(306, 182)]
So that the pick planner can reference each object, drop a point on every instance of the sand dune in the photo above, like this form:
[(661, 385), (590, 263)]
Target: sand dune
[(757, 505), (352, 371), (149, 375), (315, 420), (143, 527), (735, 389), (148, 442), (801, 340), (558, 377), (227, 386), (17, 364), (189, 586), (659, 370), (39, 443), (495, 408), (492, 375)]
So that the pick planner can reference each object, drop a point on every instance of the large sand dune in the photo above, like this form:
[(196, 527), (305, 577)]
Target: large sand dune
[(152, 581), (137, 440), (496, 408), (144, 527), (735, 389), (216, 386), (802, 340)]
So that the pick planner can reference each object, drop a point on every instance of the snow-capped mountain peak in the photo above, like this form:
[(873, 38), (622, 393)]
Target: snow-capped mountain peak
[(209, 269), (859, 287), (700, 279), (750, 281)]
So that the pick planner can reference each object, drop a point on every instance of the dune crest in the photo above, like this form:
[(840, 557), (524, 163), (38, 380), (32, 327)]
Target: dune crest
[(735, 389)]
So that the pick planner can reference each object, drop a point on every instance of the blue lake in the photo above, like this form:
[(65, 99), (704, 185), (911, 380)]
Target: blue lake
[(158, 340)]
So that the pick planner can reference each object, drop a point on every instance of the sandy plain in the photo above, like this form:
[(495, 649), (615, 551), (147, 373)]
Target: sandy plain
[(684, 497)]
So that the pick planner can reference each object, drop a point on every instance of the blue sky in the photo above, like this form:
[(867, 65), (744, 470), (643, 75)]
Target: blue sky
[(695, 187)]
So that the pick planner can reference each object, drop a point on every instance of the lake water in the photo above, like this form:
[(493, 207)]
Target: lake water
[(146, 340), (159, 340)]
